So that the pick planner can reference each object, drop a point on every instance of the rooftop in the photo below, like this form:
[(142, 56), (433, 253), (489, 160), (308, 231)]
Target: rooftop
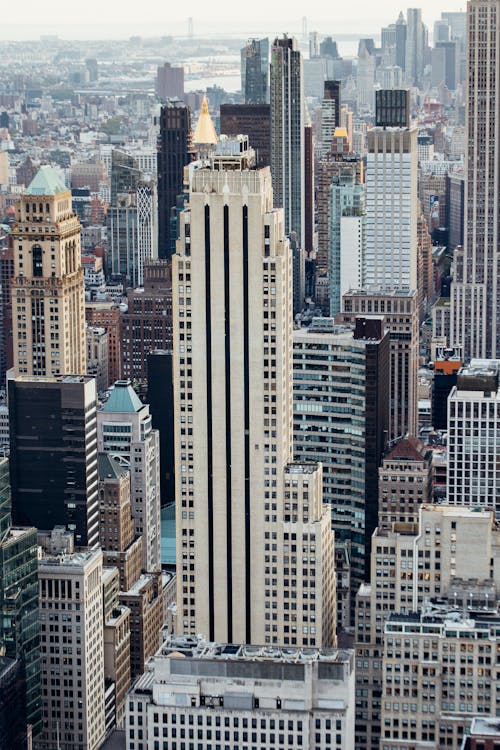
[(46, 182), (123, 399), (485, 725), (408, 449), (108, 467)]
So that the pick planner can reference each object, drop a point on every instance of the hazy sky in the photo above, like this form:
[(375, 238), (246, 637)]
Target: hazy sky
[(114, 18)]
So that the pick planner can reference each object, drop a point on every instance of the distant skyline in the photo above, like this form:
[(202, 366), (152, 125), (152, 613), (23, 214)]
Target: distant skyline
[(149, 18)]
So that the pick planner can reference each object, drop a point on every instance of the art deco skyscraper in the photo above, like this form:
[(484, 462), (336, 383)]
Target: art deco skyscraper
[(48, 297), (287, 133), (253, 536), (475, 320)]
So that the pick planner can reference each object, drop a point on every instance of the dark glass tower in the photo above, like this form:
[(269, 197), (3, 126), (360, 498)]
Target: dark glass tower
[(53, 454), (255, 71), (174, 152)]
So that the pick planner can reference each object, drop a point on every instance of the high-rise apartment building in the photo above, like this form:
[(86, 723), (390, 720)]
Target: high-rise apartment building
[(287, 133), (255, 73), (174, 152), (399, 306), (125, 431), (341, 415), (473, 475), (244, 510), (391, 207), (72, 672), (48, 296), (53, 454), (475, 321)]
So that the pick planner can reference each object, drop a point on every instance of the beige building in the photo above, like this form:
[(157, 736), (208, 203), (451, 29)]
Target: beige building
[(405, 482), (72, 654), (116, 642), (232, 303), (399, 306), (145, 602), (48, 295)]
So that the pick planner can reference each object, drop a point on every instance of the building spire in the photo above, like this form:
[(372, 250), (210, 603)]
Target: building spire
[(205, 133)]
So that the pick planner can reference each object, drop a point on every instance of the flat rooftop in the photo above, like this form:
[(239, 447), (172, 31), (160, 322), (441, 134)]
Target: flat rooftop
[(485, 726)]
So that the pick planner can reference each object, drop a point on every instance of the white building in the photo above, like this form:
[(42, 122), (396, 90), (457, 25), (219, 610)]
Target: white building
[(391, 208), (473, 476), (251, 527), (243, 698), (72, 651), (124, 429)]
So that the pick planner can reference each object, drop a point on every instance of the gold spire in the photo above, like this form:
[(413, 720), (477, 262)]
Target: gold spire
[(205, 132)]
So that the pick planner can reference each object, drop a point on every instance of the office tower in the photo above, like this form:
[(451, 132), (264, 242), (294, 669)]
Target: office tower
[(121, 546), (131, 220), (107, 316), (457, 21), (48, 311), (287, 133), (309, 213), (455, 209), (354, 368), (474, 293), (346, 236), (401, 34), (391, 207), (19, 632), (399, 306), (242, 506), (311, 704), (72, 671), (340, 157), (416, 41), (253, 120), (473, 477), (160, 398), (441, 31), (446, 64), (255, 73), (147, 323), (392, 108), (365, 83), (388, 45), (174, 152), (330, 114), (53, 454), (169, 83), (145, 602), (125, 431)]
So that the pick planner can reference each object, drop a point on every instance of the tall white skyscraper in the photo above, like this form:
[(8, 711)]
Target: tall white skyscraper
[(254, 545), (125, 431), (287, 133), (391, 208), (475, 319)]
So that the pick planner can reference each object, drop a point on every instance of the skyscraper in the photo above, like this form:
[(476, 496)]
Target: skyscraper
[(169, 83), (287, 133), (48, 303), (174, 143), (243, 508), (53, 454), (255, 71), (252, 120), (125, 431), (391, 205), (416, 41), (330, 114), (475, 321)]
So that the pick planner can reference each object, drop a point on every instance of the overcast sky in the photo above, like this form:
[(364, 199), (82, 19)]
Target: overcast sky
[(114, 18)]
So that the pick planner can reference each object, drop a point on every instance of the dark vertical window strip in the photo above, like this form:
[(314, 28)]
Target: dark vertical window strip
[(227, 356), (246, 397), (210, 489)]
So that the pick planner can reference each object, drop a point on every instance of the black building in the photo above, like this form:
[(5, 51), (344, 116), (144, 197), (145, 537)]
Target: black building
[(255, 72), (252, 120), (12, 705), (174, 152), (392, 108), (53, 454), (160, 398)]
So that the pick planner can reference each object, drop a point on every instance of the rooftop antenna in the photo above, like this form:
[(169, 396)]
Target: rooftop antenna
[(190, 27)]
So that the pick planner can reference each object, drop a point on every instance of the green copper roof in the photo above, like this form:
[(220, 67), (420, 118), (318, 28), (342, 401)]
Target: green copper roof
[(46, 182), (123, 399)]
